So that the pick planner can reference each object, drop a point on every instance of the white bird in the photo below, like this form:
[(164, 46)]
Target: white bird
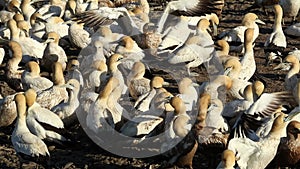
[(143, 103), (212, 87), (98, 111), (188, 93), (232, 69), (22, 139), (93, 53), (73, 72), (190, 8), (70, 10), (57, 93), (37, 24), (66, 109), (290, 8), (214, 116), (114, 71), (276, 42), (259, 113), (13, 7), (248, 61), (179, 136), (130, 50), (31, 78), (106, 15), (57, 24), (78, 36), (250, 94), (258, 154), (30, 47), (291, 78), (175, 36), (37, 116), (197, 50), (146, 122), (53, 52), (54, 7), (27, 9), (136, 82), (97, 76), (108, 39), (236, 35)]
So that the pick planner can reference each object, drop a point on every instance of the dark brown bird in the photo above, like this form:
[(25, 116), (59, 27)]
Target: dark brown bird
[(288, 153)]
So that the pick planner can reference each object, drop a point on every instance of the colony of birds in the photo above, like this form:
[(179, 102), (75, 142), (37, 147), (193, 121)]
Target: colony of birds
[(111, 88)]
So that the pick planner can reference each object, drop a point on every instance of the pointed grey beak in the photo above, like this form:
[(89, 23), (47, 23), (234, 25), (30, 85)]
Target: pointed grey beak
[(283, 66), (215, 29), (166, 84), (68, 86), (227, 71), (195, 84), (18, 10), (291, 116), (41, 19), (260, 21)]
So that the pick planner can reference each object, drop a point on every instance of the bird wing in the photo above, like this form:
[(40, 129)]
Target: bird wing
[(201, 8), (259, 113), (244, 148), (102, 16), (46, 116)]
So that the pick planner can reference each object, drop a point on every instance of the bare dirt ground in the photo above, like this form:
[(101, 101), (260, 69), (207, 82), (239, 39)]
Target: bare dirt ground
[(86, 154)]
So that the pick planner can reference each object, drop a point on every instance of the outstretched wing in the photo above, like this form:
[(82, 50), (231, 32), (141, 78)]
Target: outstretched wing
[(259, 113)]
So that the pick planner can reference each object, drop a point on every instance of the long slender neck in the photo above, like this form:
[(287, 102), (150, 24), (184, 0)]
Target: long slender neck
[(277, 22)]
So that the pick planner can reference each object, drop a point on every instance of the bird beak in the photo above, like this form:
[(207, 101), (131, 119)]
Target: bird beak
[(227, 71), (68, 86), (290, 116), (215, 29), (3, 40), (195, 84), (210, 108), (18, 9), (41, 19), (166, 84), (209, 30), (283, 66), (260, 21), (47, 41), (3, 29)]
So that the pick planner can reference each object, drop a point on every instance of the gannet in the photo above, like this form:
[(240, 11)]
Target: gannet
[(22, 139)]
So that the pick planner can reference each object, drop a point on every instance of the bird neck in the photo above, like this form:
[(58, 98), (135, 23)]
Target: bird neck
[(278, 20)]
